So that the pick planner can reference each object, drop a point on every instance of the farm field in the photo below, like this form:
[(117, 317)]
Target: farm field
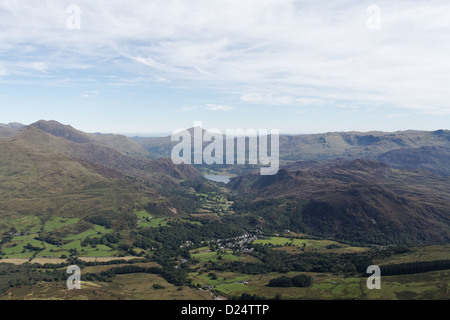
[(151, 221), (425, 253), (27, 240), (431, 285), (309, 245), (206, 275), (204, 254)]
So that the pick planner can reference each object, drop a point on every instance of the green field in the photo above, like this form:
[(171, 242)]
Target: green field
[(206, 281), (16, 248), (325, 286), (424, 286), (213, 256), (29, 224), (425, 253), (147, 220), (58, 222), (430, 285), (97, 231), (31, 227), (309, 244)]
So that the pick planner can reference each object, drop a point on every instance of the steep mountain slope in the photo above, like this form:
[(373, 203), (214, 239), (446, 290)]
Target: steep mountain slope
[(59, 130), (42, 182), (76, 144), (119, 142), (435, 159), (69, 175), (360, 200)]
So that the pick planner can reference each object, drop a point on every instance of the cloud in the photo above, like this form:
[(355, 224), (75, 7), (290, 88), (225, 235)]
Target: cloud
[(270, 98), (396, 115), (273, 98), (215, 107), (189, 108), (89, 94), (149, 61), (294, 52)]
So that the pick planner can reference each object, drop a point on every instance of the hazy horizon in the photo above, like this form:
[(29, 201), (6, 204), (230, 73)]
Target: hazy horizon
[(166, 134), (292, 65)]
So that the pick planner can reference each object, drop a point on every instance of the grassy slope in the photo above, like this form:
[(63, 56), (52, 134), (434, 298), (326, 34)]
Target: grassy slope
[(41, 181), (47, 179)]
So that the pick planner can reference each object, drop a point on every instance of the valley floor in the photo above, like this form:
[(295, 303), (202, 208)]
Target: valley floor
[(426, 286), (432, 285)]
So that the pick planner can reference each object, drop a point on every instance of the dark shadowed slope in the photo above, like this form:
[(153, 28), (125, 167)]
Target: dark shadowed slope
[(435, 159), (360, 200)]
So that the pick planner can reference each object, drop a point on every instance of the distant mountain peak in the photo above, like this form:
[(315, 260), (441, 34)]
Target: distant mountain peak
[(60, 130), (13, 125)]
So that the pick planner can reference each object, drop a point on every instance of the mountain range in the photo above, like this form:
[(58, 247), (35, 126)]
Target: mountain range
[(403, 149), (48, 168), (365, 187)]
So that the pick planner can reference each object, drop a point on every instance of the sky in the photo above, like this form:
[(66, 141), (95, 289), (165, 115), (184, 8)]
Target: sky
[(152, 67)]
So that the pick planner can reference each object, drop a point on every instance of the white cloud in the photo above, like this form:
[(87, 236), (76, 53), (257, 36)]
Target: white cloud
[(215, 107), (396, 115), (189, 108), (89, 94), (273, 98), (294, 52)]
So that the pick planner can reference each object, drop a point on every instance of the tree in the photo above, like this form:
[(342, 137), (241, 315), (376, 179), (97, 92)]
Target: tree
[(282, 281), (212, 275), (301, 281)]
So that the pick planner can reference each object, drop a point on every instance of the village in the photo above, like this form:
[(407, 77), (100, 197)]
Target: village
[(236, 244)]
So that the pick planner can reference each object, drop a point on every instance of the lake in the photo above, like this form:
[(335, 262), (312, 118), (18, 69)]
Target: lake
[(217, 178)]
